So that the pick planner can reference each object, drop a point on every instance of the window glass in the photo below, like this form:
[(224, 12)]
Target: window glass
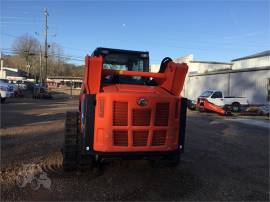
[(206, 93), (129, 62), (217, 94), (123, 62)]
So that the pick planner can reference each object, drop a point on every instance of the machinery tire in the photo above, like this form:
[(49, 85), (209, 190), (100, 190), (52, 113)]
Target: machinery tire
[(236, 107), (71, 148)]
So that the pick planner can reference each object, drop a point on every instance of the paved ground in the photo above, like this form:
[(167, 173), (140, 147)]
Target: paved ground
[(224, 160)]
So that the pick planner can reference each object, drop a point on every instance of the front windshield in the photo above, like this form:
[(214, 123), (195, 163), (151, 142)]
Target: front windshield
[(206, 93), (122, 61)]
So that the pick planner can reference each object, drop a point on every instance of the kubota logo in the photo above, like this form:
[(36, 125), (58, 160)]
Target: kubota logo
[(142, 102)]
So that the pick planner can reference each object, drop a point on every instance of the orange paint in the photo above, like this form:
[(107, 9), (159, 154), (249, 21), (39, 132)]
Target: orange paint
[(205, 104), (108, 125), (135, 118), (92, 75)]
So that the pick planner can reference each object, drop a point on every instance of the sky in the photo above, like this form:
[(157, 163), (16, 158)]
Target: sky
[(210, 30)]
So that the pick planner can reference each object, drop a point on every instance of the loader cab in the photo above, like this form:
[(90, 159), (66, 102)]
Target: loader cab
[(117, 59)]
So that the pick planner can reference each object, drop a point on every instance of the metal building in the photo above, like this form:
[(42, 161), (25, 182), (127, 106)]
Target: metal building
[(248, 77)]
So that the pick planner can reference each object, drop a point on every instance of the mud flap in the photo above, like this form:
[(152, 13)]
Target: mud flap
[(182, 124), (88, 124)]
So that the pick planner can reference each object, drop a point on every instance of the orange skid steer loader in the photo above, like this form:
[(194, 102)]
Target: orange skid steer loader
[(125, 111)]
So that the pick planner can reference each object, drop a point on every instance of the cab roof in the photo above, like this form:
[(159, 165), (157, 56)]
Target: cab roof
[(102, 50)]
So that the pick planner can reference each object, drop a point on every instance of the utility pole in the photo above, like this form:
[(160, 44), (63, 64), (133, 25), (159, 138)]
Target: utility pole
[(46, 44), (40, 65), (2, 62), (2, 65)]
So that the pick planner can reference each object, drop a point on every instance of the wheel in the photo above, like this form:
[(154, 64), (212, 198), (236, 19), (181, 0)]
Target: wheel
[(236, 107), (71, 149)]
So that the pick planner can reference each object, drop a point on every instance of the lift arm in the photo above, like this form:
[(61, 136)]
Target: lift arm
[(171, 80)]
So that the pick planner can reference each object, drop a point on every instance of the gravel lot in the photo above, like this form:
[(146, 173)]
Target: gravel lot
[(224, 160)]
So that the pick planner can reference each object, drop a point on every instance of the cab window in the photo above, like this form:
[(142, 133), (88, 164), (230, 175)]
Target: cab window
[(217, 94)]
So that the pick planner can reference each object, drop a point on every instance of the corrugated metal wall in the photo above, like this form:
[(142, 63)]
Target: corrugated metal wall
[(252, 85), (207, 67), (252, 62), (198, 84)]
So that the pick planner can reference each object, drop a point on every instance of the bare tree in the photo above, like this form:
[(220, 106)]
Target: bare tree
[(56, 60), (26, 47), (26, 57), (26, 44)]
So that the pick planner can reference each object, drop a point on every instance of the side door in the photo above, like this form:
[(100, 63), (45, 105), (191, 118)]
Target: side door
[(217, 98)]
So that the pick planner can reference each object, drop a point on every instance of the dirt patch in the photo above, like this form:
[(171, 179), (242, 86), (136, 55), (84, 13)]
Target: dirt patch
[(223, 160)]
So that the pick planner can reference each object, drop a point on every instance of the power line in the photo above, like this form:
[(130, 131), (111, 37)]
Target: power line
[(71, 48), (205, 47), (10, 35), (6, 50)]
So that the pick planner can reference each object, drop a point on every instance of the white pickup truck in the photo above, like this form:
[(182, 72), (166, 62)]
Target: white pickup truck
[(217, 97)]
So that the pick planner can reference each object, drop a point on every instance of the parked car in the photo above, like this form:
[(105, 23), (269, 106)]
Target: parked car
[(5, 90), (217, 97), (21, 84), (41, 92), (25, 85), (191, 104), (13, 86), (17, 89)]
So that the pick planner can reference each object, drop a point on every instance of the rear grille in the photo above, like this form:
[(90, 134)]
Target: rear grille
[(120, 138), (162, 114), (141, 117), (159, 138), (142, 124), (120, 113), (140, 138)]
